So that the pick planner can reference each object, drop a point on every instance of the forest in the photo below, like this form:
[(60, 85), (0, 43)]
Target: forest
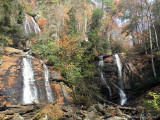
[(102, 55)]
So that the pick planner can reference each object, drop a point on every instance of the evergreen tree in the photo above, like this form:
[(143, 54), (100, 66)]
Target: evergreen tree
[(72, 30), (94, 38), (10, 20)]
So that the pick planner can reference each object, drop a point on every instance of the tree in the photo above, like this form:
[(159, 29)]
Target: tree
[(150, 38), (10, 21), (72, 30), (94, 38)]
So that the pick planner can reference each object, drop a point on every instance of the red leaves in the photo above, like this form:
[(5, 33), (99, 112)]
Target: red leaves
[(42, 21)]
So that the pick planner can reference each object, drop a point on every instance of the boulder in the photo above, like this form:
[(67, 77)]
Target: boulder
[(55, 75), (17, 116), (13, 51), (117, 118)]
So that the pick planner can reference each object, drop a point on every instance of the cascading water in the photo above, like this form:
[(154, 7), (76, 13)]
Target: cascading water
[(122, 95), (65, 94), (101, 64), (121, 92), (30, 93), (119, 69), (104, 80), (30, 25), (47, 84)]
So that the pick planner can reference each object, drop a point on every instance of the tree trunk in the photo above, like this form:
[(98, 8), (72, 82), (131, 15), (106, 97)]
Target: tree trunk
[(151, 46), (156, 37), (142, 21), (150, 36)]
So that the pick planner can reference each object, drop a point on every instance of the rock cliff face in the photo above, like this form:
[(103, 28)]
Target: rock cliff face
[(116, 75), (111, 70), (12, 80)]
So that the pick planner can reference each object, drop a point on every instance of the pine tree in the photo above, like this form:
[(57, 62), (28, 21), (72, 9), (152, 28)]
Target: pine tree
[(10, 20), (72, 30), (94, 38)]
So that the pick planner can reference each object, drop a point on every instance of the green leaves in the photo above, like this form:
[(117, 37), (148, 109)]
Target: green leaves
[(72, 30), (11, 19), (153, 105), (93, 35), (96, 19)]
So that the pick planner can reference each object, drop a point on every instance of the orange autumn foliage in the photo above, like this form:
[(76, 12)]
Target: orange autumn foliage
[(42, 21), (68, 45)]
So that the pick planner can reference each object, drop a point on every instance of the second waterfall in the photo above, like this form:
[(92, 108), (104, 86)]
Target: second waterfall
[(34, 91)]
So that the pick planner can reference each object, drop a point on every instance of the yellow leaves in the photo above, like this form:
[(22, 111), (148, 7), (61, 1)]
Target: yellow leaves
[(68, 45), (10, 41), (107, 19)]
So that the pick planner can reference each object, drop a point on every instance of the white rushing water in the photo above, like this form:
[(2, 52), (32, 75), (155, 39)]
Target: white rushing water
[(30, 93), (104, 80), (35, 25), (30, 25), (119, 69), (101, 64), (47, 84), (122, 95), (121, 92)]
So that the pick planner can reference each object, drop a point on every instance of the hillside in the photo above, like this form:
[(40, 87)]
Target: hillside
[(79, 59)]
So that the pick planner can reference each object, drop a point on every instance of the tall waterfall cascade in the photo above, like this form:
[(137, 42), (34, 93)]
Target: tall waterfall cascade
[(30, 25), (103, 79), (121, 91), (47, 85), (32, 88), (30, 93)]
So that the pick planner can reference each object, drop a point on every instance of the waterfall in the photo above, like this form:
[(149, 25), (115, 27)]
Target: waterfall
[(101, 63), (30, 25), (122, 95), (119, 66), (103, 79), (121, 92), (47, 84), (65, 94), (30, 93)]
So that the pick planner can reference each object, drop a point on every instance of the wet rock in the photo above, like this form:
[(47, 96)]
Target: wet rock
[(17, 117), (109, 59), (108, 67), (117, 118), (55, 76)]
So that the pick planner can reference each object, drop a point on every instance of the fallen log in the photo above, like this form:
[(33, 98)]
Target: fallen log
[(126, 108)]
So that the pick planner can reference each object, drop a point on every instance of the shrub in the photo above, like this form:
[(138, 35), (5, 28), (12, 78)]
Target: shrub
[(153, 105)]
